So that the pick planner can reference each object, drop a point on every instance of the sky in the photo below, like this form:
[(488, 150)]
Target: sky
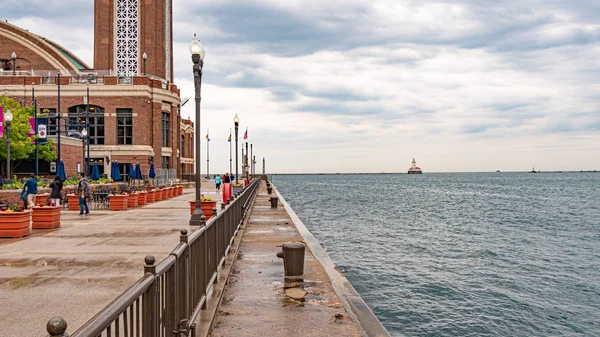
[(365, 86)]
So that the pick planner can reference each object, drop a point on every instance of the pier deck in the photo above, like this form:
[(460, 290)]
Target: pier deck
[(76, 270), (255, 302)]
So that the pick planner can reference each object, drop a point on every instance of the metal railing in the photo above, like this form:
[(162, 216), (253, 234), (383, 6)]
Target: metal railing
[(171, 295)]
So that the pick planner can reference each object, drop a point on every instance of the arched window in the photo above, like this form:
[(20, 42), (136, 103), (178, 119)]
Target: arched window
[(77, 115)]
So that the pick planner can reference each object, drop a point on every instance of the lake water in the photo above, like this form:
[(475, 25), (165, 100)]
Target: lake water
[(462, 254)]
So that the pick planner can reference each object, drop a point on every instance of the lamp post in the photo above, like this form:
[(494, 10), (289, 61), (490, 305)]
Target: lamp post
[(236, 122), (251, 164), (14, 58), (8, 117), (198, 53), (84, 134), (145, 57)]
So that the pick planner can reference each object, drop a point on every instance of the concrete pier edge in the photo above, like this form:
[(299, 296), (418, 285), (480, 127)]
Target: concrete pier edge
[(353, 303)]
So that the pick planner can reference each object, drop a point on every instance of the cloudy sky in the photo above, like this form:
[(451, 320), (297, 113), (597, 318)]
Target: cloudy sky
[(365, 86)]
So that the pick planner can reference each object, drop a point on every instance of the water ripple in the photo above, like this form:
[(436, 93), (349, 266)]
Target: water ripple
[(463, 254)]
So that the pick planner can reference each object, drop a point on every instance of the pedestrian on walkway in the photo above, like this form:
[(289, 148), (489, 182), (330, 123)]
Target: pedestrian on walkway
[(30, 189), (56, 195), (232, 178), (218, 183), (226, 179), (84, 191)]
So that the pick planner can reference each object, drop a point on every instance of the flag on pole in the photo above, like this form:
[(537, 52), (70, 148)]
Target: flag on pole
[(229, 139), (246, 134), (208, 139)]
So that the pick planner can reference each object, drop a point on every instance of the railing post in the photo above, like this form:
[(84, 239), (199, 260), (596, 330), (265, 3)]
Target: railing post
[(57, 327), (183, 289), (150, 316)]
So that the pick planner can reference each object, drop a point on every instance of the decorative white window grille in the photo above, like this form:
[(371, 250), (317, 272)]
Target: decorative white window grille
[(127, 37), (168, 40)]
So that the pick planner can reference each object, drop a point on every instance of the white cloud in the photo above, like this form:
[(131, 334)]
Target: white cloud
[(351, 86)]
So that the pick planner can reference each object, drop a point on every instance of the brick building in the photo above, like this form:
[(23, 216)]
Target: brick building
[(133, 111)]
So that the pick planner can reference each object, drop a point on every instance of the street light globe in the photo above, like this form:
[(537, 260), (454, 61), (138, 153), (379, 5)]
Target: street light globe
[(8, 117), (196, 48), (84, 133), (13, 55), (236, 119), (145, 56)]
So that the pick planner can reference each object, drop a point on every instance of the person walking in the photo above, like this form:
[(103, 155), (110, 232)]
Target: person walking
[(56, 195), (30, 189), (218, 183), (84, 191), (226, 179)]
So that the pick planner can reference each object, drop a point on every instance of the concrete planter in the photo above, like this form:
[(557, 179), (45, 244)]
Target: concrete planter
[(118, 202), (150, 197), (132, 201), (206, 206), (179, 190), (165, 194), (142, 198), (45, 217), (158, 195), (15, 224), (42, 199), (73, 202)]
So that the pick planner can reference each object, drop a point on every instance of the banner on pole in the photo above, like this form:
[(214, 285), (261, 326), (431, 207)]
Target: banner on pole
[(1, 123)]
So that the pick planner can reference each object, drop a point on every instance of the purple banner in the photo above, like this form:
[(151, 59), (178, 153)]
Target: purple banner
[(1, 123), (32, 131)]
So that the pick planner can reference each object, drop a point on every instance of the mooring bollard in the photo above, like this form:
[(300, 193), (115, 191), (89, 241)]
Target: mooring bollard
[(292, 254), (269, 189), (274, 201), (57, 327)]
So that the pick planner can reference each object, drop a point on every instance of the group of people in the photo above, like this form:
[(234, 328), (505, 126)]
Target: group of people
[(224, 179), (84, 191)]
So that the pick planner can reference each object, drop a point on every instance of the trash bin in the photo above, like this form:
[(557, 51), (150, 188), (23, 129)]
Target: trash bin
[(274, 201), (269, 189), (292, 254)]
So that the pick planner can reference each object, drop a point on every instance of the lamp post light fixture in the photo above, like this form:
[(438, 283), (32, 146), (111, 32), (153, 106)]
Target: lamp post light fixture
[(236, 122), (145, 57), (14, 58), (198, 53), (84, 134), (8, 117)]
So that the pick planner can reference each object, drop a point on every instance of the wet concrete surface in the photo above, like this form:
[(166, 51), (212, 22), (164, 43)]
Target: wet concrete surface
[(78, 269), (258, 302)]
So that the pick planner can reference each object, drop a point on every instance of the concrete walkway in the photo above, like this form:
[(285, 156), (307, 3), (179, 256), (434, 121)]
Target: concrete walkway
[(78, 269), (256, 302)]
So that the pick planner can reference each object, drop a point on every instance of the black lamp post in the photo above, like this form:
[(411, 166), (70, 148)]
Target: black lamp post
[(8, 117), (145, 57), (84, 134), (14, 58), (236, 122), (251, 163), (198, 53)]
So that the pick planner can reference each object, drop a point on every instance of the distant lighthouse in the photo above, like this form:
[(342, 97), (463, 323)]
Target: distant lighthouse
[(414, 169)]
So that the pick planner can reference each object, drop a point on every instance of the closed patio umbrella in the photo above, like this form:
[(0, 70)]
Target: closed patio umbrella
[(138, 172), (95, 172), (61, 171)]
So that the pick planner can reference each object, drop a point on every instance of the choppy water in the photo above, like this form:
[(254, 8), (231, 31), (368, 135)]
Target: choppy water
[(463, 254)]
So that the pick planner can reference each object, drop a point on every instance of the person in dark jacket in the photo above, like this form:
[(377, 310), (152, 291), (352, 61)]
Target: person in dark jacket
[(30, 188), (56, 195), (84, 191)]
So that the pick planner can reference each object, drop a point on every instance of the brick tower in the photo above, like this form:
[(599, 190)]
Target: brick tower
[(126, 29)]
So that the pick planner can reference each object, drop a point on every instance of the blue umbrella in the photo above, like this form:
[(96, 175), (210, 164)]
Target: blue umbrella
[(95, 172), (131, 172), (116, 172), (61, 171), (138, 171), (152, 174)]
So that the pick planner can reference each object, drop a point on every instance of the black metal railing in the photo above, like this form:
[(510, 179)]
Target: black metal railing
[(172, 294)]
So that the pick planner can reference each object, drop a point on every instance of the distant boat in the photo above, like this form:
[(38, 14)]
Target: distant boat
[(497, 171), (534, 171), (414, 169)]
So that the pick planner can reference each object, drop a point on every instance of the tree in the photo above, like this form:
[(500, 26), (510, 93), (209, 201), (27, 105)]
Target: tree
[(21, 146)]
